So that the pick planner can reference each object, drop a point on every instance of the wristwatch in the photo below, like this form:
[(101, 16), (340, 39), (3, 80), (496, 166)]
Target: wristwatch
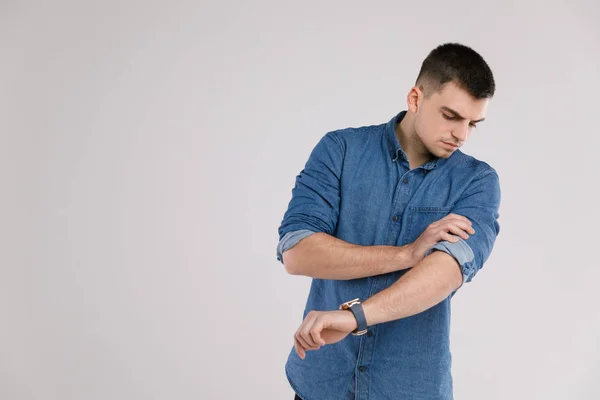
[(356, 307)]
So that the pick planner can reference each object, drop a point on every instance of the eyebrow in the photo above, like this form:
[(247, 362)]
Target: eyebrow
[(458, 116)]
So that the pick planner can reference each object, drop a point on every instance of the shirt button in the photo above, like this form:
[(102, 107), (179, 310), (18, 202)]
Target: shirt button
[(405, 181), (395, 218), (369, 333), (362, 368)]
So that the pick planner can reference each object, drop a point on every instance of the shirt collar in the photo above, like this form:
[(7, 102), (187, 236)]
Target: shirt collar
[(394, 145)]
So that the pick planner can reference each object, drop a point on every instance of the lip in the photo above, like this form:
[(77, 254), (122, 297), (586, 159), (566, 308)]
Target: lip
[(451, 145)]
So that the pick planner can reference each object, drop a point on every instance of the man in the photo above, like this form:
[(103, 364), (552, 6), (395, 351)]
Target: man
[(396, 216)]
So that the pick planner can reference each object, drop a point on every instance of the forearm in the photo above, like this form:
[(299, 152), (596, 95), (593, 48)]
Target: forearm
[(326, 257), (427, 284)]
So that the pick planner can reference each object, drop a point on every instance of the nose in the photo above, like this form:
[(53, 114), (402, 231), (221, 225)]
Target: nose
[(462, 133)]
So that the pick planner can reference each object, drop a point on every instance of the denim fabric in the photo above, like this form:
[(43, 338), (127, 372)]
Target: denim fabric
[(358, 187)]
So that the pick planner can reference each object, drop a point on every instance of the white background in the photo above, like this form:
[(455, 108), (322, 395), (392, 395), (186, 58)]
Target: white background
[(147, 155)]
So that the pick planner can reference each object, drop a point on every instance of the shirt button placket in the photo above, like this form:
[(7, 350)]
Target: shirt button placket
[(363, 380)]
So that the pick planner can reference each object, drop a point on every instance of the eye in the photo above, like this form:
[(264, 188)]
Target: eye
[(448, 117), (473, 125)]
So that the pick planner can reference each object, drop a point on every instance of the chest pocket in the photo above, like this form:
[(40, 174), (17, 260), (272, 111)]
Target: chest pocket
[(419, 218)]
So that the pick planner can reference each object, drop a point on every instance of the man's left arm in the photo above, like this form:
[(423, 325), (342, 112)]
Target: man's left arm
[(445, 268), (444, 271), (424, 286)]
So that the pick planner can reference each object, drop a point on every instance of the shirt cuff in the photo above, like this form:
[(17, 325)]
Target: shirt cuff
[(462, 252), (291, 239)]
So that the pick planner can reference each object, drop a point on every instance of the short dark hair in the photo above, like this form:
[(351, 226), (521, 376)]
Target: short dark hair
[(460, 64)]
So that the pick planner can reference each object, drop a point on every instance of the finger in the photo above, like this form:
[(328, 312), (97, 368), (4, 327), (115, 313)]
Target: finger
[(315, 333), (460, 221), (308, 320), (305, 329), (307, 334), (448, 219), (299, 349), (457, 230), (442, 231), (451, 238), (466, 226), (302, 341), (462, 218)]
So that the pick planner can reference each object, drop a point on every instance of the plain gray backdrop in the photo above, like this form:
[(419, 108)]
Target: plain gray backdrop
[(148, 150)]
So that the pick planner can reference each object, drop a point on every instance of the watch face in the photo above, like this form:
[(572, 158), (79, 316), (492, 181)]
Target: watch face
[(348, 304)]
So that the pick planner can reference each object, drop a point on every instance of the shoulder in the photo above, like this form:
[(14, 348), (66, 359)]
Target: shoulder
[(473, 166), (477, 177), (352, 135)]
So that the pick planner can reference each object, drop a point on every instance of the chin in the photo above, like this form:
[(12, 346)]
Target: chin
[(441, 153)]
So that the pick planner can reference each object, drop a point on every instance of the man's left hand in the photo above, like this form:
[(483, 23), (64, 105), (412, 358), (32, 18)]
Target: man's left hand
[(323, 327)]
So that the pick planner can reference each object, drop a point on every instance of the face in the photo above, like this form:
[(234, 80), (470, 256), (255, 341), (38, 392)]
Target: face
[(445, 120)]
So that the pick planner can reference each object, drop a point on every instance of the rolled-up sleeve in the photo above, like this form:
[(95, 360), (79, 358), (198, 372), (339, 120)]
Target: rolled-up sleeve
[(480, 204), (314, 206), (291, 239)]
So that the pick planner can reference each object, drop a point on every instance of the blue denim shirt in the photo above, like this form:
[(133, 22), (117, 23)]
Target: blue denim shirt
[(357, 186)]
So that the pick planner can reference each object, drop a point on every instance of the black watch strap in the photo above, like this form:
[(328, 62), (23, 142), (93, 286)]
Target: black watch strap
[(359, 314)]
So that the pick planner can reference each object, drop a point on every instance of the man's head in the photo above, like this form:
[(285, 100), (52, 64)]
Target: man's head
[(450, 97)]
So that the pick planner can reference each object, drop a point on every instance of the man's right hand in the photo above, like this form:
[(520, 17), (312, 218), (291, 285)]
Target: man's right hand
[(449, 228)]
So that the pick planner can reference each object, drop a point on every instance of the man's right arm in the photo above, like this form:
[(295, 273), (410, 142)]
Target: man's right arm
[(322, 256), (307, 245), (306, 242)]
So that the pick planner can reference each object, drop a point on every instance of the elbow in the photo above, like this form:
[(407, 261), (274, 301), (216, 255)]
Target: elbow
[(291, 262), (300, 259)]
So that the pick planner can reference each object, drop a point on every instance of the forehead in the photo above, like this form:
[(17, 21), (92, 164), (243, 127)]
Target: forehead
[(458, 99)]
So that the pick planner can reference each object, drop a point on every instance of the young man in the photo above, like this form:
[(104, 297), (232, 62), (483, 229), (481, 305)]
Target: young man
[(389, 221)]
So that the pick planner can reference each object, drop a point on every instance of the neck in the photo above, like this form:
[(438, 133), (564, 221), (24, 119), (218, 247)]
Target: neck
[(410, 142)]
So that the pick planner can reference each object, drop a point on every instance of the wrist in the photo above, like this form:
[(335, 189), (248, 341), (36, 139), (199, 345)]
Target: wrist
[(405, 256), (360, 323), (352, 318)]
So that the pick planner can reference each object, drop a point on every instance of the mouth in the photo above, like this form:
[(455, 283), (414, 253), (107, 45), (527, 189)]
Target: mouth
[(453, 146)]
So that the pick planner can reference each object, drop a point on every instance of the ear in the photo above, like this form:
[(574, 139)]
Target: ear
[(414, 99)]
